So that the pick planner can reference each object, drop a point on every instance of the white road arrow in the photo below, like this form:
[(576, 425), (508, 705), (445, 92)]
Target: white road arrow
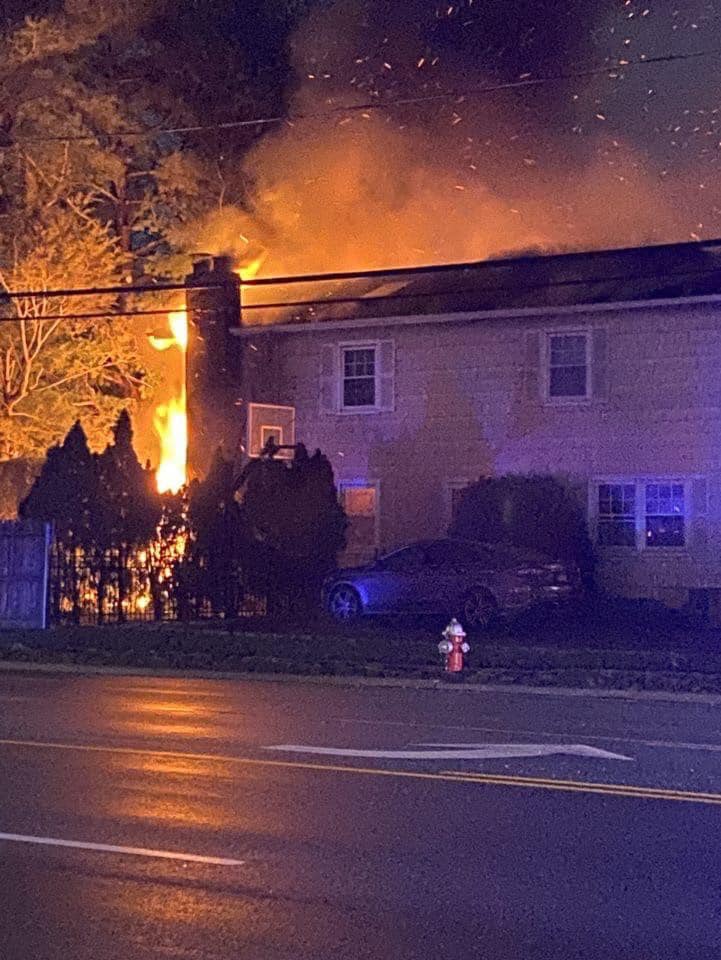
[(457, 751)]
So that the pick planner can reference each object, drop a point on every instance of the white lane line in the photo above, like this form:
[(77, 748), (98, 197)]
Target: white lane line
[(566, 734), (128, 851), (450, 751)]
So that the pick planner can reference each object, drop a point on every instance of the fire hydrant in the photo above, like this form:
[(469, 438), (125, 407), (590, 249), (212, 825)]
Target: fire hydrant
[(453, 646)]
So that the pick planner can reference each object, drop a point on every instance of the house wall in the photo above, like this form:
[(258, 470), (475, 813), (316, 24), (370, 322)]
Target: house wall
[(469, 399)]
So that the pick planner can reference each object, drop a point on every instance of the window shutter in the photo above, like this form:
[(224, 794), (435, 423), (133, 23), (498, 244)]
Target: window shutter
[(699, 511), (386, 375), (599, 364), (699, 497), (329, 378), (532, 366)]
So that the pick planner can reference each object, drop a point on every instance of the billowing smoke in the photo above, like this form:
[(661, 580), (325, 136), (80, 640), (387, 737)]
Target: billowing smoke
[(457, 179)]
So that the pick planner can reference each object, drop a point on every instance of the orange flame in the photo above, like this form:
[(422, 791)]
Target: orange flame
[(170, 420), (252, 268)]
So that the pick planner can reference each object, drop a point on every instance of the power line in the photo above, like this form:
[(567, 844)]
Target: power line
[(398, 295), (470, 265), (103, 291), (372, 105), (490, 290), (464, 266), (100, 315)]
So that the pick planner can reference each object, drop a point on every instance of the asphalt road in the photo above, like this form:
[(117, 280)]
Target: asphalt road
[(608, 849)]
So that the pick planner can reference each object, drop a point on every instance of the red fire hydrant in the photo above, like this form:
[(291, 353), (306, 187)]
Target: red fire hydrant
[(453, 646)]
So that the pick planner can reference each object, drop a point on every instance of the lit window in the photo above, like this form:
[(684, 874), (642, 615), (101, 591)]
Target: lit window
[(359, 501), (359, 377), (617, 514), (568, 366), (665, 515), (360, 504), (642, 514)]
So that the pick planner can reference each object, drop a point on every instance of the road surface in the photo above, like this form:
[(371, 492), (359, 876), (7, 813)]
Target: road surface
[(168, 818)]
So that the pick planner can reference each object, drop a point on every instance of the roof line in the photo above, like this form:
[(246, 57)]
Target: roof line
[(509, 260), (468, 316)]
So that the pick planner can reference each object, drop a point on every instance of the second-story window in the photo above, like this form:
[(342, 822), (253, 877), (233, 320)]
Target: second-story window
[(568, 366), (359, 377)]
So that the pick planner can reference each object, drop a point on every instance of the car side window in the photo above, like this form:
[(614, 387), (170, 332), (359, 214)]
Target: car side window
[(411, 558), (449, 554)]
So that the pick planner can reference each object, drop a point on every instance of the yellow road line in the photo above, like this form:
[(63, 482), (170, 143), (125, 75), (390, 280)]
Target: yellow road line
[(447, 776), (224, 758), (587, 786)]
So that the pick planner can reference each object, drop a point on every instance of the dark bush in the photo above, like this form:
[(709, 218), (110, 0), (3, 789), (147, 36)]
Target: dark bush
[(225, 546), (216, 561), (296, 523), (537, 512), (104, 509)]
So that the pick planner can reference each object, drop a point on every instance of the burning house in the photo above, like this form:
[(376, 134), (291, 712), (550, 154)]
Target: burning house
[(600, 367)]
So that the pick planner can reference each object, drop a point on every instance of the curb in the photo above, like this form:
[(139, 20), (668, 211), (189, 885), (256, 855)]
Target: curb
[(404, 683)]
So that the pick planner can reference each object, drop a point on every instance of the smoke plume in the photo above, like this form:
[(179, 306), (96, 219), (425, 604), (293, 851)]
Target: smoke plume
[(457, 179)]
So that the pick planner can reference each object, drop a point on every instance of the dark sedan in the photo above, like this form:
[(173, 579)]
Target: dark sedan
[(474, 581)]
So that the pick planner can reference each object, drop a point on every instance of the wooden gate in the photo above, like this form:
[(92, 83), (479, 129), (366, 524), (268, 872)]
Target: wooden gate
[(24, 553)]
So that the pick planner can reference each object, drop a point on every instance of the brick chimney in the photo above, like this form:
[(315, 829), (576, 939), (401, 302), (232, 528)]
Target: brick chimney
[(213, 364)]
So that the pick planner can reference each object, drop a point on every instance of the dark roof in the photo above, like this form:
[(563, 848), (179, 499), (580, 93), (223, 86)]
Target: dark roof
[(659, 272)]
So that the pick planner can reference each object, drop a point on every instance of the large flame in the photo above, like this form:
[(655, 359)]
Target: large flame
[(171, 419)]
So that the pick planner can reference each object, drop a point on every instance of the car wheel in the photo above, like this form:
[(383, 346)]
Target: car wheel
[(344, 604), (479, 610)]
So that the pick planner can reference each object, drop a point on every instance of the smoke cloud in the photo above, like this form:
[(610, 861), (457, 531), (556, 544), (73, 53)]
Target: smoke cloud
[(454, 180)]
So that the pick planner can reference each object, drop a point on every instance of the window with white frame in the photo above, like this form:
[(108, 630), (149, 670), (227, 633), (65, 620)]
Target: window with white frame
[(568, 365), (665, 521), (358, 369), (357, 377), (647, 514), (617, 514)]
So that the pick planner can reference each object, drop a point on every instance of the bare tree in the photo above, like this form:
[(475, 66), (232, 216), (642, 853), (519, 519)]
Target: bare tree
[(55, 366)]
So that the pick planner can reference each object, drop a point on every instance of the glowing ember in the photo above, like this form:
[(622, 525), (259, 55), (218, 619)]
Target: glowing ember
[(170, 420)]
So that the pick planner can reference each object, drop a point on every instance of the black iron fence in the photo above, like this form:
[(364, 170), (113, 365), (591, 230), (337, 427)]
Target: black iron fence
[(160, 581)]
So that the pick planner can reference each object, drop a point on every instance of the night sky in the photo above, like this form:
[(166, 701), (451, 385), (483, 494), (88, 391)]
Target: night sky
[(669, 110), (662, 119), (627, 156)]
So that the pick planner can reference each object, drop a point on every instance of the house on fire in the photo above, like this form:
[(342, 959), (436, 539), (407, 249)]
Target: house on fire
[(604, 368)]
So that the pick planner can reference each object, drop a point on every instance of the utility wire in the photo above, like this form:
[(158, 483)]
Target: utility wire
[(100, 315), (372, 105), (320, 303), (115, 291), (466, 266), (490, 290)]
